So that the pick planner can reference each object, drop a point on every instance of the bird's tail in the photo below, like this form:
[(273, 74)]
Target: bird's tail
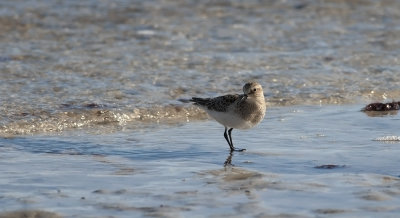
[(200, 101), (197, 101)]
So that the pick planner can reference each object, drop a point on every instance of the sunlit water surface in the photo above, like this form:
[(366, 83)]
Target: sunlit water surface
[(91, 124), (301, 161), (73, 64)]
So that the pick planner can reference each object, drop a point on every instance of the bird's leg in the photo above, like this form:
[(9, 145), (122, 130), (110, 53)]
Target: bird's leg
[(227, 139), (231, 143), (230, 137)]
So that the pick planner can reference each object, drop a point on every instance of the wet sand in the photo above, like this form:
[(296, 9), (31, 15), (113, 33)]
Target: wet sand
[(304, 161), (29, 214)]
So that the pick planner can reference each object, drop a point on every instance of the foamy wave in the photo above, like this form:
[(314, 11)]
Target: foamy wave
[(92, 118), (388, 138)]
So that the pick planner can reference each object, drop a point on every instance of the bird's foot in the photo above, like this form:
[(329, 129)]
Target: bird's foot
[(238, 149)]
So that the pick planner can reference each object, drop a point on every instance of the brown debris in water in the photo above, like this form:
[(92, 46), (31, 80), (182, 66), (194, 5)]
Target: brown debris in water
[(93, 105), (382, 106), (329, 166), (330, 211), (29, 214)]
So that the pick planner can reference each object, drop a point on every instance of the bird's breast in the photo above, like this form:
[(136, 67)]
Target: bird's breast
[(251, 111)]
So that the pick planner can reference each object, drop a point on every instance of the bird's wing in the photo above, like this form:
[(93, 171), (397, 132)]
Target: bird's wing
[(220, 103)]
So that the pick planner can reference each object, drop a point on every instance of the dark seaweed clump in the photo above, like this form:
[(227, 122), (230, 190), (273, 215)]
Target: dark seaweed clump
[(329, 166), (383, 106)]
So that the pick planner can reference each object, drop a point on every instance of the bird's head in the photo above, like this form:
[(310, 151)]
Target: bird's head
[(253, 89)]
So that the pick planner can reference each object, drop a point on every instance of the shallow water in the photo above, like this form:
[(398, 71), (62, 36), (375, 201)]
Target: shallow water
[(301, 161), (82, 64)]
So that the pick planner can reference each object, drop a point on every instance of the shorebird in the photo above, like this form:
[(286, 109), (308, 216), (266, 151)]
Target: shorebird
[(239, 111)]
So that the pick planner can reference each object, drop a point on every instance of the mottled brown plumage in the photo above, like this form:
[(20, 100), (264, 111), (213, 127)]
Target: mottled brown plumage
[(217, 103)]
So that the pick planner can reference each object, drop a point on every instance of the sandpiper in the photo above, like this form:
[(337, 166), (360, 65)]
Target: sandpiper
[(239, 111)]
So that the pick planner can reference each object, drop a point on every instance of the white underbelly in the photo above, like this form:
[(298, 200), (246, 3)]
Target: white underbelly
[(231, 120)]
